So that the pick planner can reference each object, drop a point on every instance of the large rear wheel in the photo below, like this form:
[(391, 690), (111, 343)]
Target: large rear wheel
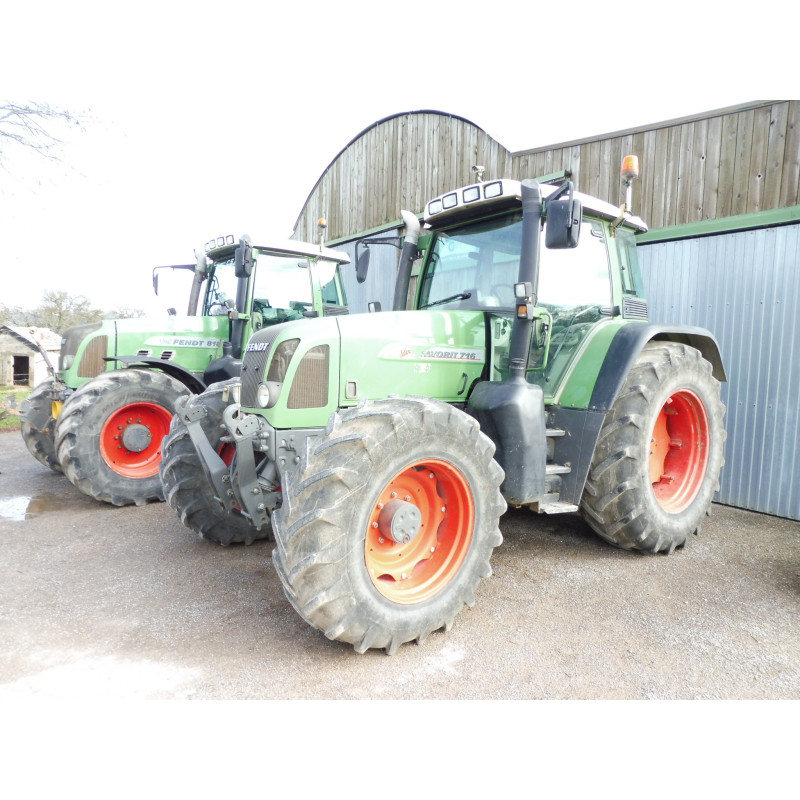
[(186, 487), (657, 462), (38, 424), (108, 435), (389, 521)]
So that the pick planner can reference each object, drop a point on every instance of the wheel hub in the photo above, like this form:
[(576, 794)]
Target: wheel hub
[(136, 438), (400, 520), (419, 531)]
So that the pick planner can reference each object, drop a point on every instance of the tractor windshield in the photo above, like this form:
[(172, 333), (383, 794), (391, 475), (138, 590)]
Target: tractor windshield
[(474, 267), (281, 290), (477, 265)]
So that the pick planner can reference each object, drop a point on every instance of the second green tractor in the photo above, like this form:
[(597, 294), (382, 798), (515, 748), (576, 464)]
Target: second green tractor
[(102, 415)]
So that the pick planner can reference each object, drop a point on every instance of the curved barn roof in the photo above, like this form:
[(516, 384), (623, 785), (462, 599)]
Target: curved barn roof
[(722, 163), (397, 162)]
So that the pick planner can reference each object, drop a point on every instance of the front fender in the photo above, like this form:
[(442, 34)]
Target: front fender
[(189, 379)]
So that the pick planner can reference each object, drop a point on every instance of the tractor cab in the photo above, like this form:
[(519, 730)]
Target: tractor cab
[(588, 279)]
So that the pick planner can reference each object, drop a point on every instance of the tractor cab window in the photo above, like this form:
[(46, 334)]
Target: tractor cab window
[(574, 285), (282, 288), (330, 284), (220, 288), (629, 263), (474, 267)]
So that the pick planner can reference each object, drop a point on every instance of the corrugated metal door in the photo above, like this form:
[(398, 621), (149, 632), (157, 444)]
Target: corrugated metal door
[(745, 288)]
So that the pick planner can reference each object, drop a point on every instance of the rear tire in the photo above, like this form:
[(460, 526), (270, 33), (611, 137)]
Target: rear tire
[(38, 425), (186, 488), (395, 468), (108, 435), (656, 465)]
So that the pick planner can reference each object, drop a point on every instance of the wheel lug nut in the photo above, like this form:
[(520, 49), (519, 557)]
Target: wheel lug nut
[(374, 524)]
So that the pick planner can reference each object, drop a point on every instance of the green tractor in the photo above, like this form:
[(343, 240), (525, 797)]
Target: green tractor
[(382, 449), (100, 419)]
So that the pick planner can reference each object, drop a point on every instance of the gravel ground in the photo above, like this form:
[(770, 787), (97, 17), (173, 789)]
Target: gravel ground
[(125, 603)]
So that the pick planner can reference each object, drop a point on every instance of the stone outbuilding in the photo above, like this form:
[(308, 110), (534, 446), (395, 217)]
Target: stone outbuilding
[(24, 353)]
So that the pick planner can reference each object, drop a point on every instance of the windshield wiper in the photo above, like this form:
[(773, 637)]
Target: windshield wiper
[(461, 296)]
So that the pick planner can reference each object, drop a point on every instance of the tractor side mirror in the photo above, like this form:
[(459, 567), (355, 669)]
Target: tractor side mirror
[(243, 258), (362, 264), (563, 219)]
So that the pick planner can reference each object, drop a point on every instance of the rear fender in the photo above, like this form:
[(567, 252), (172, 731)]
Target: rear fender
[(629, 342), (584, 425)]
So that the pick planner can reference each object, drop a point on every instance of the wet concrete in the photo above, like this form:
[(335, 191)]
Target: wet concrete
[(104, 602)]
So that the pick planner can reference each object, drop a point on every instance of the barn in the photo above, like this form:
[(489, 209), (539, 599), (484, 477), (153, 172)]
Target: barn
[(721, 193)]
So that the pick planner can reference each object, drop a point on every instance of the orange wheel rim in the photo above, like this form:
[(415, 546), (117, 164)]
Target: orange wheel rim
[(419, 531), (130, 441), (679, 446)]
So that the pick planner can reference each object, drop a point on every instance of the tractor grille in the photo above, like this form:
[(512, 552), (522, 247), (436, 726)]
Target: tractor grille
[(92, 363), (71, 341), (254, 362), (634, 309), (310, 385)]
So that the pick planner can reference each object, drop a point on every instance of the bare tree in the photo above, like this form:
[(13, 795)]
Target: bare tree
[(14, 315), (34, 126), (60, 310), (125, 312)]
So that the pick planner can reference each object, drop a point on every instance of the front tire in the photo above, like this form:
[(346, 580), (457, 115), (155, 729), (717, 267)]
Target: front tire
[(186, 488), (108, 435), (38, 425), (388, 522), (656, 465)]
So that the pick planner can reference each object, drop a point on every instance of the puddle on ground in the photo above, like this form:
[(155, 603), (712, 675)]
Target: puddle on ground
[(15, 508), (18, 509)]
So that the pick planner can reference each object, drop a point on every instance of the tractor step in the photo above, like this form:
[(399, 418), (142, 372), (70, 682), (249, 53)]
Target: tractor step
[(556, 507), (556, 469), (554, 432)]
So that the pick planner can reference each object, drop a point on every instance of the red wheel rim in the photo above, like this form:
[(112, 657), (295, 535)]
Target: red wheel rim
[(226, 451), (679, 447), (437, 500), (130, 441)]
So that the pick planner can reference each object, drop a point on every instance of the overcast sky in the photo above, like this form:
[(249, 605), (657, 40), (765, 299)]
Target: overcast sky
[(213, 118)]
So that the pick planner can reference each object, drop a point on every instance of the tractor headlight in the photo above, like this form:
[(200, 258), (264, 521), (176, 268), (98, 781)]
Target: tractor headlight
[(262, 395)]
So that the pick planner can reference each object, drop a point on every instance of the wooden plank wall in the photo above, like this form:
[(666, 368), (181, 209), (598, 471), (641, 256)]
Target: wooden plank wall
[(724, 163)]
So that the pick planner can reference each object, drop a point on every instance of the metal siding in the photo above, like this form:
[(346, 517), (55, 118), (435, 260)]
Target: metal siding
[(744, 288)]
